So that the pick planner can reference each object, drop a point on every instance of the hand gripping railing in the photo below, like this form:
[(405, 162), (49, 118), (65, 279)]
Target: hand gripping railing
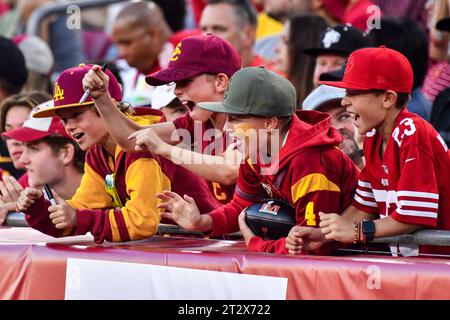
[(420, 237)]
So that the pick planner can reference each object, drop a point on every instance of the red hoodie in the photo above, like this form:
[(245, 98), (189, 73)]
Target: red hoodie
[(313, 175)]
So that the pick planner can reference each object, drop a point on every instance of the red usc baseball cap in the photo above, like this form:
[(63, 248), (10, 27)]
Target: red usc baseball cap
[(38, 128), (376, 68), (195, 55), (68, 90)]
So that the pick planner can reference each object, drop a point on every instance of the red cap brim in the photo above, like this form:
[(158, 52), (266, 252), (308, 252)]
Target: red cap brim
[(25, 134), (168, 75), (344, 85)]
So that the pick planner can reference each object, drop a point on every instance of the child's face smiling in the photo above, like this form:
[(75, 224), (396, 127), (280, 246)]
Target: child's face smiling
[(366, 108), (84, 126)]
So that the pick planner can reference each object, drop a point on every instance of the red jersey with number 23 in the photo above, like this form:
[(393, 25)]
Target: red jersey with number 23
[(411, 182)]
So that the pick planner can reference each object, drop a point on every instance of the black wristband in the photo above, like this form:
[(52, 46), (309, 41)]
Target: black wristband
[(368, 229)]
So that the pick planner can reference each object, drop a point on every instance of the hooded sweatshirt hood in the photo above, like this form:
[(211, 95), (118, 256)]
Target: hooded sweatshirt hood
[(308, 129)]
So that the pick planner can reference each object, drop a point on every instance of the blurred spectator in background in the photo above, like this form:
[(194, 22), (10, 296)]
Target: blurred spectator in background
[(174, 13), (66, 43), (13, 113), (13, 71), (355, 12), (300, 32), (328, 99), (440, 112), (408, 38), (13, 75), (145, 43), (271, 19), (165, 100), (197, 8), (414, 10), (234, 21), (333, 11), (334, 47), (275, 14), (359, 13), (438, 76), (39, 62)]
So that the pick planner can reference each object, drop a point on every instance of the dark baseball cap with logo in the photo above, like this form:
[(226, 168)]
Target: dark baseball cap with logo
[(69, 90), (376, 68), (195, 55), (256, 91), (340, 40)]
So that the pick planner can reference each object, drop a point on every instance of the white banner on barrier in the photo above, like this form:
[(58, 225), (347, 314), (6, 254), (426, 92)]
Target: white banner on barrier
[(98, 279)]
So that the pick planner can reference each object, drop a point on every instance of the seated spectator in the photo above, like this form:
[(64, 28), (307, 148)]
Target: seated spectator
[(307, 169), (404, 185), (334, 47), (328, 99)]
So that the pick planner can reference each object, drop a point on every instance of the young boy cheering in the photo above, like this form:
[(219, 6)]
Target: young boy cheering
[(307, 169), (116, 199), (405, 184)]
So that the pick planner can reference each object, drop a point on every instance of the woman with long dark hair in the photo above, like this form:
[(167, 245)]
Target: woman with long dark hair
[(300, 32)]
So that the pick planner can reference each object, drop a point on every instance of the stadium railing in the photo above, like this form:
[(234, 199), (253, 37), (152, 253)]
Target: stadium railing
[(420, 237)]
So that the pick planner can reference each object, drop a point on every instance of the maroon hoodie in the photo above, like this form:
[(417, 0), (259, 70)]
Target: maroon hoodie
[(312, 175)]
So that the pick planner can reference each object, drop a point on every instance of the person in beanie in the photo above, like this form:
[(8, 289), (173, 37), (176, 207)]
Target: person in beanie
[(404, 185), (307, 169)]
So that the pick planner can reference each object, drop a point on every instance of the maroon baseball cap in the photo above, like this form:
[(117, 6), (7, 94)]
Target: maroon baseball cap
[(68, 90), (38, 128), (195, 55), (376, 68)]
